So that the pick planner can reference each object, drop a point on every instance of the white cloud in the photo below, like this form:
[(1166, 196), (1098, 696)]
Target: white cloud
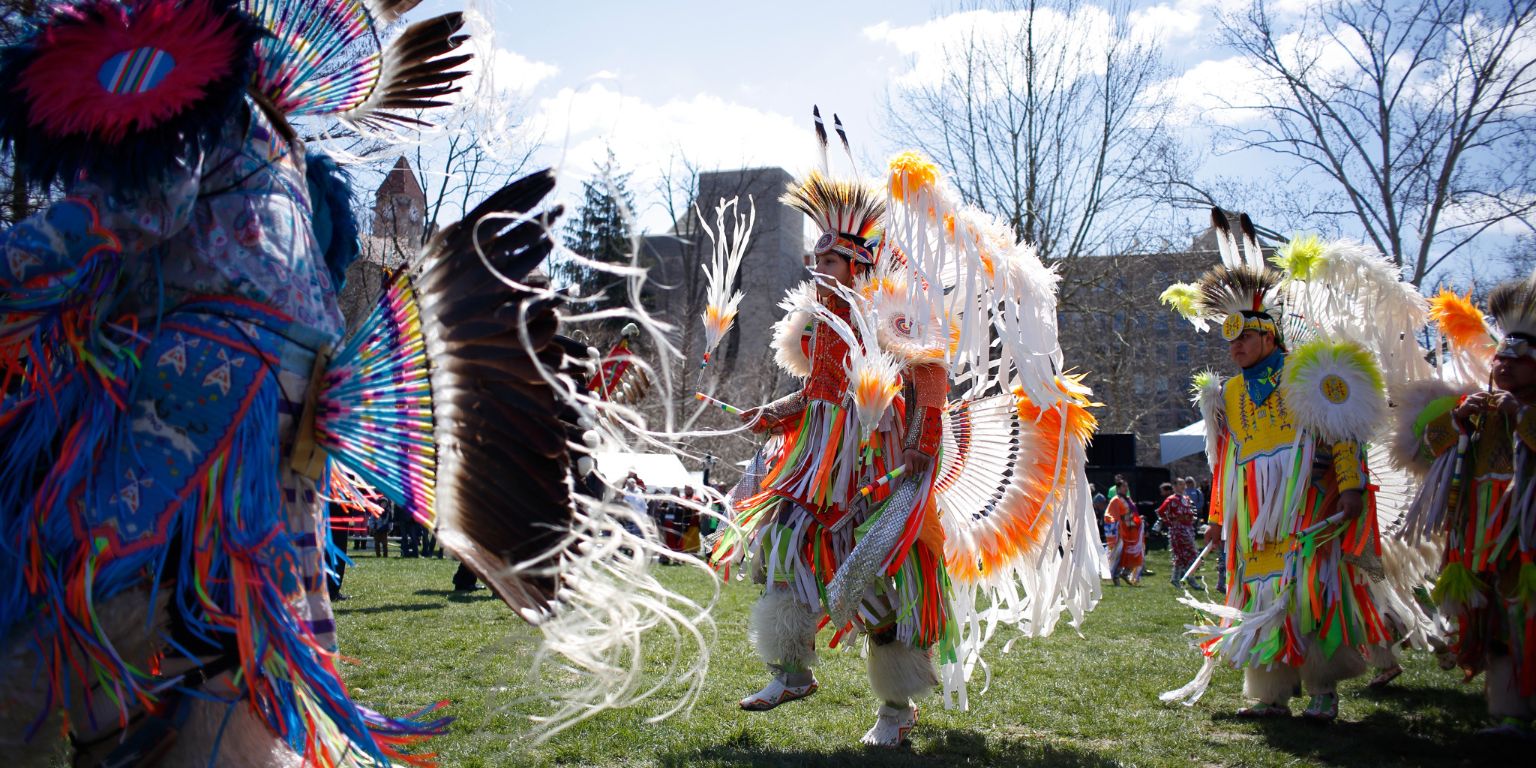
[(1213, 92), (580, 126), (1176, 22), (511, 71), (929, 47), (498, 72), (603, 74)]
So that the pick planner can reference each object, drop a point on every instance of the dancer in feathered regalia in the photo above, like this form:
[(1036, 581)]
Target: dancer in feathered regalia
[(882, 505), (1293, 497), (1472, 434), (176, 395)]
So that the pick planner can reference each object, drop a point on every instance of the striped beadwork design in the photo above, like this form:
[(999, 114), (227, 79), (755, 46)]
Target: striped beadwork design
[(135, 71)]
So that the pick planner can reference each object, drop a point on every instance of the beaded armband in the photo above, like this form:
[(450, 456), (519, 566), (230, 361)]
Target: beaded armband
[(776, 413), (1348, 465)]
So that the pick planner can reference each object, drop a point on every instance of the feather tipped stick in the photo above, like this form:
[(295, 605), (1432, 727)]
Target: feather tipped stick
[(730, 247)]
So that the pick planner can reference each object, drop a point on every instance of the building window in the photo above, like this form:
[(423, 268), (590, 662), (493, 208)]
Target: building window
[(1181, 353)]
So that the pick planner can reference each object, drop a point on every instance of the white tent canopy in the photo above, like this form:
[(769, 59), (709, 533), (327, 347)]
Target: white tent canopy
[(657, 470), (1183, 442)]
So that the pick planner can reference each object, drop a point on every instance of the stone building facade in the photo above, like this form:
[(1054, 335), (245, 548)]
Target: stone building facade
[(1137, 354), (742, 370)]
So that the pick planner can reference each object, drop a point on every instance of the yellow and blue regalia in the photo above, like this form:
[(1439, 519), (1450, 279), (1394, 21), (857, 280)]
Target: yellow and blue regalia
[(1285, 439)]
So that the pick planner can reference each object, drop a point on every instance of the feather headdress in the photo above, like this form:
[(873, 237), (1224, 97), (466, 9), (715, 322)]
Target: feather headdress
[(1241, 298), (120, 89), (1513, 307), (848, 213), (1242, 293)]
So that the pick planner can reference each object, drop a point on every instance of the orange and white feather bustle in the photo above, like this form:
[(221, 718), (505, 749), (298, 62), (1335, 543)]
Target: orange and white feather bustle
[(1021, 535), (730, 239)]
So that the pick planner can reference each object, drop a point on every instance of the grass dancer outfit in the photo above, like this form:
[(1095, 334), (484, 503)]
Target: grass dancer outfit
[(1287, 442), (835, 537), (178, 394), (1475, 447)]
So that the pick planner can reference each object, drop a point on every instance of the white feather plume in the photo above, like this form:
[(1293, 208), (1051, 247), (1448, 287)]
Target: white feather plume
[(730, 238), (790, 330), (1349, 291)]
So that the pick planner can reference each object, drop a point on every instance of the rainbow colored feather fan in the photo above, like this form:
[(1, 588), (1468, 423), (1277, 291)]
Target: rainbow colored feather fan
[(440, 402), (325, 58), (120, 88)]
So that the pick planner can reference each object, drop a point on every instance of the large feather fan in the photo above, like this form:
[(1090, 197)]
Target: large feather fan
[(325, 57), (438, 400), (457, 398)]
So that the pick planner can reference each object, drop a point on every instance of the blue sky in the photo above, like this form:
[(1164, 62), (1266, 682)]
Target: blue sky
[(724, 85), (731, 84)]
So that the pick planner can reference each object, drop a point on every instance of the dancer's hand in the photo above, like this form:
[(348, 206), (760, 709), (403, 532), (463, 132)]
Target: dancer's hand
[(1480, 402), (753, 418), (1213, 534), (917, 462), (1351, 506)]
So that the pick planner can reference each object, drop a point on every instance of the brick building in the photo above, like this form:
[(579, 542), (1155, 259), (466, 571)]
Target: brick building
[(1139, 355)]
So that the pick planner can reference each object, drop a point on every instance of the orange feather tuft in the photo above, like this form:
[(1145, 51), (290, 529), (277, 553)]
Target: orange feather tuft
[(1462, 323)]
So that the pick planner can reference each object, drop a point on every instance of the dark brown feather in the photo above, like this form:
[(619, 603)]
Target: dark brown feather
[(504, 467), (418, 72)]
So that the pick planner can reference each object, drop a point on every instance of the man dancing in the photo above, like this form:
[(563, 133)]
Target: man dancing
[(1478, 493), (876, 504), (1289, 498)]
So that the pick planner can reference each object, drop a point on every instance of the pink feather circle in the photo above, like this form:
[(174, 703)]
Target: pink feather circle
[(63, 88)]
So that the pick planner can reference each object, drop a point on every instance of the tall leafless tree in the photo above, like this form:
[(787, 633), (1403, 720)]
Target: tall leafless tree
[(1417, 116), (1045, 114)]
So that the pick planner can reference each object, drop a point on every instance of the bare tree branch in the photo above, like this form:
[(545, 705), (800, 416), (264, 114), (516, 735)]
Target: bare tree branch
[(1417, 116)]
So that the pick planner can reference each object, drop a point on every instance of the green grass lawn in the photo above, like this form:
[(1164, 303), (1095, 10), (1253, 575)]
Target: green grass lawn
[(1066, 700)]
